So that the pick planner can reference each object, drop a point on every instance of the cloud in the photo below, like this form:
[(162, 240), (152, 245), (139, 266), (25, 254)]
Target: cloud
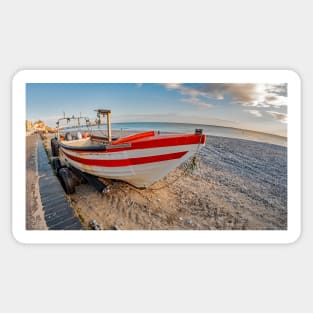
[(278, 89), (191, 95), (173, 85), (242, 93), (282, 117), (256, 95), (271, 96), (197, 102), (254, 112), (191, 90)]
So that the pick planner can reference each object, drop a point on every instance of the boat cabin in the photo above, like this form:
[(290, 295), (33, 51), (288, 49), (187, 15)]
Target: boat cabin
[(77, 128)]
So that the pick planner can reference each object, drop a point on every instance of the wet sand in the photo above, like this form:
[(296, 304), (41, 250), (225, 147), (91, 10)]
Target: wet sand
[(238, 184)]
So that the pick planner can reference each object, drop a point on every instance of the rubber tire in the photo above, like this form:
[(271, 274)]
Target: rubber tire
[(66, 180), (52, 141), (56, 163), (54, 147)]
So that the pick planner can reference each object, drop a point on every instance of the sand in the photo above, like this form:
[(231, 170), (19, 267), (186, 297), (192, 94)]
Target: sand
[(34, 212), (238, 184)]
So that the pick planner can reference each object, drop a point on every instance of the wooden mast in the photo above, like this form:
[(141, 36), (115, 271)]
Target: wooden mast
[(106, 113), (109, 126)]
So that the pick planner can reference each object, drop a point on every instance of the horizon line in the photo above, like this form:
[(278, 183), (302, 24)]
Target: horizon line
[(244, 129)]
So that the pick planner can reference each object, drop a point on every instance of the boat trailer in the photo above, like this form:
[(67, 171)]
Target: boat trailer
[(70, 177)]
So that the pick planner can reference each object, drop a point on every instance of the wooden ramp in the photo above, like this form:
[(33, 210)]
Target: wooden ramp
[(59, 215)]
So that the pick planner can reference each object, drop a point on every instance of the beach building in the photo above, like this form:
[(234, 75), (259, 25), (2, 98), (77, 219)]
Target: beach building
[(39, 126), (29, 125)]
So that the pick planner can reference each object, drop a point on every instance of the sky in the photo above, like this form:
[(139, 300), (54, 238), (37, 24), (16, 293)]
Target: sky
[(258, 107)]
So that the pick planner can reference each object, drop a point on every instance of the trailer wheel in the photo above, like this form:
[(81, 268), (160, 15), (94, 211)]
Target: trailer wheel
[(66, 179), (54, 147), (56, 163)]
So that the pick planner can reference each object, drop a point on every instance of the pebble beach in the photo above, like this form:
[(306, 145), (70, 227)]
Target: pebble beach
[(237, 185)]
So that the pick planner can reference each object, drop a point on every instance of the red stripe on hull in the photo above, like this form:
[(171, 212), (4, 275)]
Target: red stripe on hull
[(127, 162), (151, 142), (162, 141)]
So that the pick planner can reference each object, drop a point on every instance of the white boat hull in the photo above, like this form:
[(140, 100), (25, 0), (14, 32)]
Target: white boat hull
[(140, 168)]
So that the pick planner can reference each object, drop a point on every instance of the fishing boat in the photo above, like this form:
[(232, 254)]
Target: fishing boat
[(140, 159)]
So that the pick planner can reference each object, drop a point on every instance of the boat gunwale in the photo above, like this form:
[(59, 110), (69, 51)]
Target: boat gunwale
[(139, 144)]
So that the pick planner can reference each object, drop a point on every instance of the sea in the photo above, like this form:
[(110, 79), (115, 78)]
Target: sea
[(210, 130), (207, 129)]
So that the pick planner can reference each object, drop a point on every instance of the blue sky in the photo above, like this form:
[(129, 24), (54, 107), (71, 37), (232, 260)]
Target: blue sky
[(260, 107)]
